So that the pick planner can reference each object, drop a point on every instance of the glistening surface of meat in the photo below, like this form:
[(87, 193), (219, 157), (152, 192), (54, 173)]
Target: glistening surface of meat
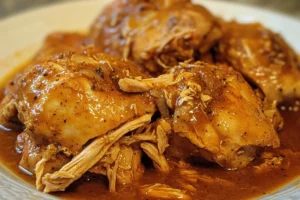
[(216, 110), (66, 102), (58, 43), (263, 57), (54, 97), (155, 34)]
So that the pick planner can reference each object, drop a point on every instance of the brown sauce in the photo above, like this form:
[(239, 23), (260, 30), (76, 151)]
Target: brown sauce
[(244, 183)]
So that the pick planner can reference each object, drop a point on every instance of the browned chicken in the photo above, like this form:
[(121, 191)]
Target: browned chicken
[(58, 43), (71, 106), (155, 34), (215, 109), (263, 57)]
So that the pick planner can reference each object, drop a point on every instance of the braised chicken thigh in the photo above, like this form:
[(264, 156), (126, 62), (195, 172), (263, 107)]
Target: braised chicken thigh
[(67, 102), (215, 109), (263, 57), (155, 34)]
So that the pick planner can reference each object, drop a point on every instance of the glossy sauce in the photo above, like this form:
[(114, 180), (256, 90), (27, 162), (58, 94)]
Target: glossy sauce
[(244, 183)]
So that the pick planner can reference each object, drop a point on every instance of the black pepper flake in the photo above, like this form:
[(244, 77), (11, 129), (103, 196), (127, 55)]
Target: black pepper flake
[(35, 97), (12, 83), (65, 121), (100, 72), (93, 87)]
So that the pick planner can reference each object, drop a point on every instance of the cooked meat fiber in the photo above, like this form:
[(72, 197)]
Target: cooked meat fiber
[(263, 57), (60, 180), (217, 111), (155, 34)]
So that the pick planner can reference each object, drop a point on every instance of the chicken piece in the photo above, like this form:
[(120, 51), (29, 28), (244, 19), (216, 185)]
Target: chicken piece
[(73, 102), (155, 34), (193, 176), (59, 43), (163, 191), (38, 158), (158, 159), (54, 47), (122, 164), (33, 149), (218, 112), (154, 142), (76, 98), (263, 57), (86, 159), (130, 167)]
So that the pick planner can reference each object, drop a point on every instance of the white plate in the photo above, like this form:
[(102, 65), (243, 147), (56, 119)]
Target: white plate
[(24, 33)]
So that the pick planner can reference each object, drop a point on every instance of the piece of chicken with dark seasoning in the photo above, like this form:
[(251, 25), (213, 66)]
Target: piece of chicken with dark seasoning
[(263, 57), (73, 112), (213, 107), (155, 34)]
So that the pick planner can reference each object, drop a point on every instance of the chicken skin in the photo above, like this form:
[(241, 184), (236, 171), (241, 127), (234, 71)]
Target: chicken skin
[(263, 57), (67, 101), (55, 97), (155, 34), (216, 109), (58, 43)]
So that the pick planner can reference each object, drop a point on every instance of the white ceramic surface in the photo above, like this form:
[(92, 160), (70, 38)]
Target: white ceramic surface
[(21, 35)]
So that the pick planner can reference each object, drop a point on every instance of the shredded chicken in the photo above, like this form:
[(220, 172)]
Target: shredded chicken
[(130, 167), (158, 159), (193, 176), (128, 140), (269, 161), (162, 130), (144, 85), (112, 176), (163, 191), (186, 186), (40, 166), (61, 179)]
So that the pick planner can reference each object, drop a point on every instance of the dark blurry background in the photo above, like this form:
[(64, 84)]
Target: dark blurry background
[(289, 7)]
